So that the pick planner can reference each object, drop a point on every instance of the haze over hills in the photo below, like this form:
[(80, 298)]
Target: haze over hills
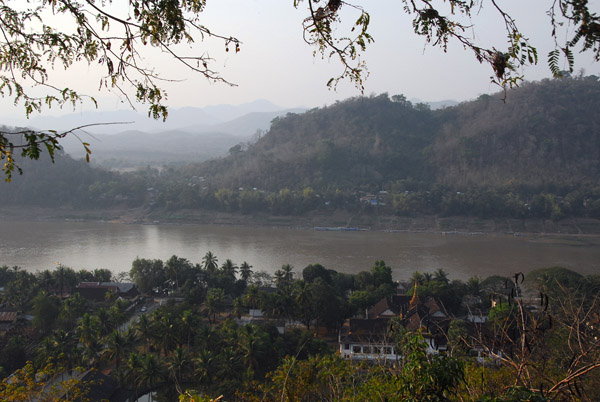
[(181, 118), (188, 135)]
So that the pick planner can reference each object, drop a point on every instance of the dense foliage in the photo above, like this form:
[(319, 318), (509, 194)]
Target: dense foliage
[(195, 344)]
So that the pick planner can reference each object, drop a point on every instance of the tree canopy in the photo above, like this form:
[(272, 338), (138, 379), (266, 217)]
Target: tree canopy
[(47, 34)]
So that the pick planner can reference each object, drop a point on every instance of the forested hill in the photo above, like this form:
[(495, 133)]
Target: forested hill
[(544, 133)]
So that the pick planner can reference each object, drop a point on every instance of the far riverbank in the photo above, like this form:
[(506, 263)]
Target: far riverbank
[(339, 219)]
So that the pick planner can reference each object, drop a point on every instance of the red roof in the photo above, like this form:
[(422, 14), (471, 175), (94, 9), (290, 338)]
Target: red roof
[(8, 316)]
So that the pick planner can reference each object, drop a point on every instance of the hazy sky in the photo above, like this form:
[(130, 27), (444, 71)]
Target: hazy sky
[(276, 64)]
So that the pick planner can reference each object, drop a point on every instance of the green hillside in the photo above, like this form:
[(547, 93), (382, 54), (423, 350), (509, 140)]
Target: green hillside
[(545, 132)]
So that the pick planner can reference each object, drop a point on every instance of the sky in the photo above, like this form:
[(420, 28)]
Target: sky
[(276, 64)]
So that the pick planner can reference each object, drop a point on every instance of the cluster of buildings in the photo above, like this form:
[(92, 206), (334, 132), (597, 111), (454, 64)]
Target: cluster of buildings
[(373, 337)]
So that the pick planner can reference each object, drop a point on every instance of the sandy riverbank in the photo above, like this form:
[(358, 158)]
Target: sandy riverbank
[(456, 224)]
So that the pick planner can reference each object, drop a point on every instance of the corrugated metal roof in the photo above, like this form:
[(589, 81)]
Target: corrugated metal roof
[(8, 316)]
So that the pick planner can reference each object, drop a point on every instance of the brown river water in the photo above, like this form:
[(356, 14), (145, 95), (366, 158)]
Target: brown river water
[(37, 245)]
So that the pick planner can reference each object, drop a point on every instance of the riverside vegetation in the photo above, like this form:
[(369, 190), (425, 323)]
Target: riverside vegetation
[(197, 349), (537, 156)]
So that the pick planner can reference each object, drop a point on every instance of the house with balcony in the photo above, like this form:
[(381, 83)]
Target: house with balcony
[(372, 338)]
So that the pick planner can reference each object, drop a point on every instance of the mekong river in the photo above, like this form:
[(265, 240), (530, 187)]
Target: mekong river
[(37, 245)]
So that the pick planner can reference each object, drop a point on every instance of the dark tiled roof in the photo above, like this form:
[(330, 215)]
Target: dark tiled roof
[(121, 287), (365, 330), (397, 304)]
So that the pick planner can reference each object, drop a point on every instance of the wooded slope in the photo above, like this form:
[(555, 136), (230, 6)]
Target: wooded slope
[(545, 132)]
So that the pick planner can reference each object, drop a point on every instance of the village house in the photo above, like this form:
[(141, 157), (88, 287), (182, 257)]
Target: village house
[(8, 319), (371, 338), (96, 291)]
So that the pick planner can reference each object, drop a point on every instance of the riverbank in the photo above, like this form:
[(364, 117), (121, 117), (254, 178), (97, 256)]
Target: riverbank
[(423, 224)]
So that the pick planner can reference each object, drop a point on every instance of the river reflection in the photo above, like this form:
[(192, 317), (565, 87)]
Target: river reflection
[(39, 245)]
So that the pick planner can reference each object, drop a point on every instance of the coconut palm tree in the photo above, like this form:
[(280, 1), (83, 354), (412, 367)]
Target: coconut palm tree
[(45, 350), (166, 333), (133, 371), (440, 275), (252, 298), (245, 271), (279, 277), (209, 262), (251, 345), (288, 274), (205, 366), (178, 365), (106, 321), (188, 321), (92, 352), (229, 268), (214, 303), (46, 280), (88, 329), (417, 277), (238, 308), (152, 372), (304, 303), (144, 330), (116, 348)]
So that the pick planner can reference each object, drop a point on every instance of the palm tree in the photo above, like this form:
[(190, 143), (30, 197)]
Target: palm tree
[(165, 335), (230, 363), (144, 330), (45, 351), (473, 286), (92, 352), (205, 366), (417, 277), (133, 371), (252, 297), (304, 302), (64, 347), (279, 277), (245, 271), (178, 363), (188, 323), (251, 345), (440, 275), (208, 338), (214, 303), (209, 262), (229, 268), (238, 308), (45, 279), (88, 329), (105, 321), (288, 275), (152, 372), (116, 348)]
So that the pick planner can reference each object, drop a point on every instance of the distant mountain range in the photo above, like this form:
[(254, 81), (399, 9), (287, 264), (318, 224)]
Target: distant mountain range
[(188, 135), (127, 139)]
